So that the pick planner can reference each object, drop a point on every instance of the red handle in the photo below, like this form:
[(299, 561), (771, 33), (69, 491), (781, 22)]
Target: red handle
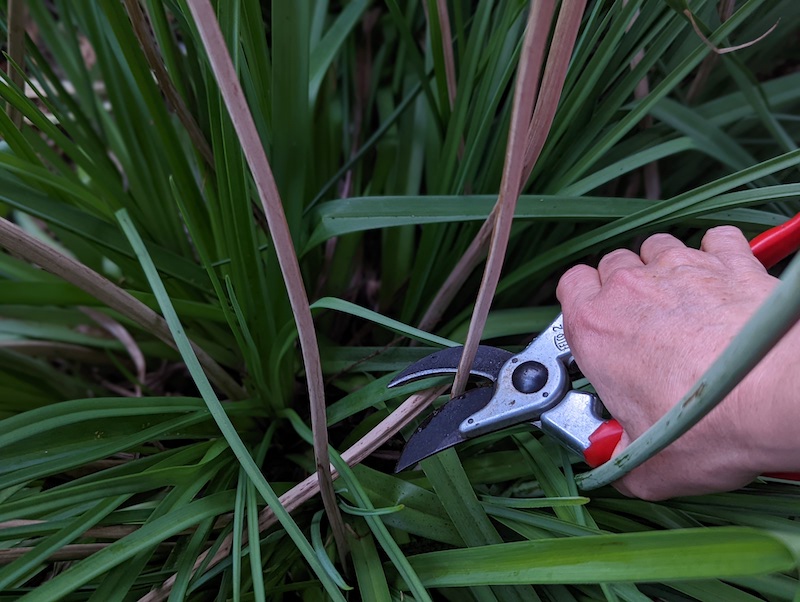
[(777, 243), (602, 443)]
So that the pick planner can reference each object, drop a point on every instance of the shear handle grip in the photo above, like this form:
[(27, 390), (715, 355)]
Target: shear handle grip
[(777, 243), (602, 443)]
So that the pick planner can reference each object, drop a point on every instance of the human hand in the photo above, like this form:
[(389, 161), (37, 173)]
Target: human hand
[(643, 328)]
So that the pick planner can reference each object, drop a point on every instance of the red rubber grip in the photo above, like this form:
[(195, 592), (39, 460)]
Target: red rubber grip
[(788, 476), (777, 243), (602, 443)]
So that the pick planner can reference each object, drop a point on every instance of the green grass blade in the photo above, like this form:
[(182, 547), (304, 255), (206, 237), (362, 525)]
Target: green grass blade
[(372, 582), (326, 50), (24, 565), (117, 553), (656, 556), (393, 325), (256, 567), (381, 533), (216, 410)]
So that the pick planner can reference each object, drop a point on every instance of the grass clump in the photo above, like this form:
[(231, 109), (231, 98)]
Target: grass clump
[(166, 398)]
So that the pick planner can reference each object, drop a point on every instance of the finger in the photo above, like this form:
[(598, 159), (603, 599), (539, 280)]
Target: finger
[(725, 239), (578, 284), (660, 246), (731, 247), (616, 260)]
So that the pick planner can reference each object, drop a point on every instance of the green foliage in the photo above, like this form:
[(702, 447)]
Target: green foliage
[(117, 477)]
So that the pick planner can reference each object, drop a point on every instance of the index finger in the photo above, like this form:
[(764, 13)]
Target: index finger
[(578, 284)]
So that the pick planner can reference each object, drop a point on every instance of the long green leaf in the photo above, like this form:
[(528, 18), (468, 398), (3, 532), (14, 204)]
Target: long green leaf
[(637, 557), (216, 410), (118, 552)]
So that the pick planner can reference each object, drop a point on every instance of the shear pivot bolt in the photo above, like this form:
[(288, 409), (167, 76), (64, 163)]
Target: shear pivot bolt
[(529, 377)]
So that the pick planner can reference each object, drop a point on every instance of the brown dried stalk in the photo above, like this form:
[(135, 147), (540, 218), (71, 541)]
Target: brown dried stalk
[(119, 332), (447, 50), (17, 15), (233, 96), (69, 552), (455, 280), (650, 172), (555, 74), (56, 349), (151, 52), (305, 490), (77, 551), (717, 49), (542, 15), (23, 245), (525, 93), (726, 8)]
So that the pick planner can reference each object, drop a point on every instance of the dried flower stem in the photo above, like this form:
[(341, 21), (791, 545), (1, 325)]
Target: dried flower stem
[(142, 31), (242, 118), (525, 93), (22, 244)]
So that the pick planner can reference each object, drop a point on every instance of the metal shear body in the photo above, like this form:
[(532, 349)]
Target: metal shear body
[(532, 386)]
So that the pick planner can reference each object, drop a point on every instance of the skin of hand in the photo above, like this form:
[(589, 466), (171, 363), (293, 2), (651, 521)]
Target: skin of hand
[(643, 328)]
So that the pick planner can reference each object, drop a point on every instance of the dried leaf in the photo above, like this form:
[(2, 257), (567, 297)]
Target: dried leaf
[(233, 96), (719, 50), (525, 94), (22, 244)]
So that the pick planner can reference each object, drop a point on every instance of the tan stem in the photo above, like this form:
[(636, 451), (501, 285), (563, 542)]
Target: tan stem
[(242, 119), (23, 245), (141, 29), (525, 94)]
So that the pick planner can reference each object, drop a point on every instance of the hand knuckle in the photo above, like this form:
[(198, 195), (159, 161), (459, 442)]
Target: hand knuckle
[(624, 277), (675, 256), (572, 273), (655, 239), (740, 261), (611, 257), (724, 231), (566, 282)]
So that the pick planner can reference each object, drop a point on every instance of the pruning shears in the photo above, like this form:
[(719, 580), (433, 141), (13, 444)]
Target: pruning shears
[(535, 386)]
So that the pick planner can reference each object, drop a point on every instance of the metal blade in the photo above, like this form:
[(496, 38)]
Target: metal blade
[(487, 364), (440, 429)]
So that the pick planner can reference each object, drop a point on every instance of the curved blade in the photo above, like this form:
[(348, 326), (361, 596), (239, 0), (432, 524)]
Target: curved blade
[(487, 364), (440, 429)]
